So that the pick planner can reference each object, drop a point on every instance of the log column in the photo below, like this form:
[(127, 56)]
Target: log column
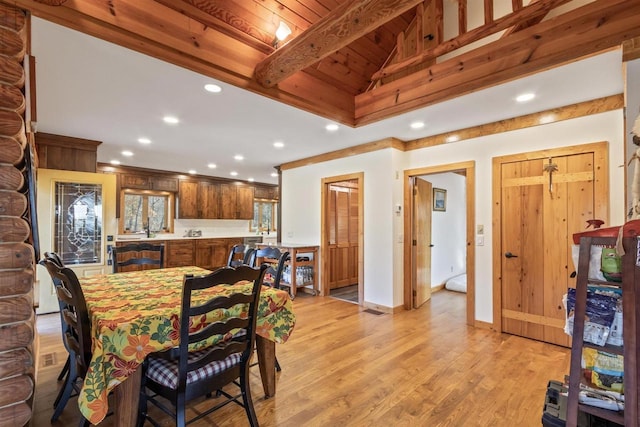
[(17, 255)]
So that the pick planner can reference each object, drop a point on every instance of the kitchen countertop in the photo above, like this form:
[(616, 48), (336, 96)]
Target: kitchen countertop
[(142, 237)]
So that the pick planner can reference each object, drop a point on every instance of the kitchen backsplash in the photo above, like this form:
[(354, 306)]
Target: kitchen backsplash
[(212, 227)]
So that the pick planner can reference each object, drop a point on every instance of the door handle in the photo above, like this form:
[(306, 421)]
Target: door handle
[(510, 255), (431, 246)]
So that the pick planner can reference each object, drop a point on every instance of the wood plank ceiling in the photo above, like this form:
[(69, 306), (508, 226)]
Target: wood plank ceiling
[(354, 61)]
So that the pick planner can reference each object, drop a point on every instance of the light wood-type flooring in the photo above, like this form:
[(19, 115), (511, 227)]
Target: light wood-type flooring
[(344, 366)]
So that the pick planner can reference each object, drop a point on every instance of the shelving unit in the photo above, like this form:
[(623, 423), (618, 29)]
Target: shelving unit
[(629, 349), (295, 251)]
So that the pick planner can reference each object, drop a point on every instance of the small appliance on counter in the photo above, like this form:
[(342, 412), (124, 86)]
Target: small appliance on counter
[(193, 233)]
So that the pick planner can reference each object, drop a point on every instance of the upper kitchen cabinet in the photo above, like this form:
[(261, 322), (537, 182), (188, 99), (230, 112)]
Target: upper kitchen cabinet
[(236, 201), (66, 153), (198, 200), (148, 182), (266, 192)]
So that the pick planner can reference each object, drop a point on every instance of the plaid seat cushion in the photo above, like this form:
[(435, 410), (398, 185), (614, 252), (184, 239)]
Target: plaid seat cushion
[(165, 372)]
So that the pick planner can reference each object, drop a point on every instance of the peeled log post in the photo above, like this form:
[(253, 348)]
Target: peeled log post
[(11, 71), (12, 43), (16, 309), (12, 203), (17, 389), (15, 415), (12, 98), (12, 124), (15, 282), (13, 229), (16, 335), (10, 178), (12, 18), (16, 362), (16, 255), (11, 151), (17, 267)]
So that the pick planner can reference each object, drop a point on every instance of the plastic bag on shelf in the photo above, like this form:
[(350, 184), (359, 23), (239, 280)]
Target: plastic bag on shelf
[(595, 262), (604, 370), (600, 313)]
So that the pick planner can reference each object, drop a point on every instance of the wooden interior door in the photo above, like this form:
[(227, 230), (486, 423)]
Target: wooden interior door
[(539, 215), (423, 198), (342, 227)]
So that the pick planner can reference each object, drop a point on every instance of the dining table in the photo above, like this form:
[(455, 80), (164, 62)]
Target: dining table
[(134, 314)]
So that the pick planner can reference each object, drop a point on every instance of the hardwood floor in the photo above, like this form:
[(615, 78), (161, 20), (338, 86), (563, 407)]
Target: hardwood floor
[(346, 367)]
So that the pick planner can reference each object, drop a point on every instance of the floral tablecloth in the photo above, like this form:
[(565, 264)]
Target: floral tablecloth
[(137, 313)]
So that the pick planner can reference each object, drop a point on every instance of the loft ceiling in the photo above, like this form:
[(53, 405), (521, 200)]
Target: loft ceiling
[(355, 61)]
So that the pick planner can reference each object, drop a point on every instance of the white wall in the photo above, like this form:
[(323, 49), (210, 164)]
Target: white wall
[(600, 127), (449, 229), (633, 112), (300, 205), (383, 253)]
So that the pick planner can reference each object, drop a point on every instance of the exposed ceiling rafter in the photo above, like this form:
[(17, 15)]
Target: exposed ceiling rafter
[(534, 10), (343, 25)]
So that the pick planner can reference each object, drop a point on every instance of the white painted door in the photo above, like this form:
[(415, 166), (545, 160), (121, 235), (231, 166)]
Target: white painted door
[(52, 236)]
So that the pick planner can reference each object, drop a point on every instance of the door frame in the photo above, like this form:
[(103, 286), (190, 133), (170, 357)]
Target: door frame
[(324, 242), (468, 170), (600, 152)]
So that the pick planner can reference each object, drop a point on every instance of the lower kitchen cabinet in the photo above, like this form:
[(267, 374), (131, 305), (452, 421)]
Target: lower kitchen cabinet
[(179, 253), (213, 253)]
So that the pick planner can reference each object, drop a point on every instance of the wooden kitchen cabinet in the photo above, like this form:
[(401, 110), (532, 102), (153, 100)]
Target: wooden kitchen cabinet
[(213, 253), (188, 200), (148, 182), (208, 200), (179, 253), (236, 201), (198, 200)]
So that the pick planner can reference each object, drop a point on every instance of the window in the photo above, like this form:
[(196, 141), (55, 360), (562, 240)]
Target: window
[(78, 222), (140, 209), (265, 214)]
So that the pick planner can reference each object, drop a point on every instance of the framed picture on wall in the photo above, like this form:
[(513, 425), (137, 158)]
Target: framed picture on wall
[(439, 199)]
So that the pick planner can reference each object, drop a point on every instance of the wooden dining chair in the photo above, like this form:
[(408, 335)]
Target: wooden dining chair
[(275, 260), (76, 330), (236, 256), (137, 256), (179, 376)]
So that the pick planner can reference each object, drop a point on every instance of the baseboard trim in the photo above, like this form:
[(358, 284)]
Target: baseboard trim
[(383, 308), (482, 325), (437, 288)]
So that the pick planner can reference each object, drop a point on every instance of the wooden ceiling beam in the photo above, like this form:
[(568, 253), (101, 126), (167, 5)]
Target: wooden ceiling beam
[(153, 29), (343, 25), (590, 29), (215, 16)]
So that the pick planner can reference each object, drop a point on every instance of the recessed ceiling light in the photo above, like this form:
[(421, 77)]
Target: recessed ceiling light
[(115, 162), (250, 179), (233, 173), (274, 174), (238, 157), (144, 140), (278, 144), (417, 125), (192, 171), (525, 97), (331, 127), (212, 88), (171, 120), (127, 153), (452, 138), (212, 166)]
